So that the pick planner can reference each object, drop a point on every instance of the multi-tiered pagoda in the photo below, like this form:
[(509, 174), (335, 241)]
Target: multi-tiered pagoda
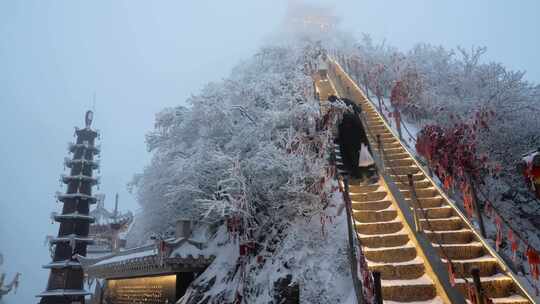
[(65, 283)]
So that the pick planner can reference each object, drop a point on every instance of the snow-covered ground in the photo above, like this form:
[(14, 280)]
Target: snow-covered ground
[(314, 256)]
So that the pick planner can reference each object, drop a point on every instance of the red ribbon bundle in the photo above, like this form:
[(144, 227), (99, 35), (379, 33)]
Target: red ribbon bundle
[(448, 181), (534, 260), (515, 245), (471, 293), (243, 249), (468, 201), (498, 240), (488, 209), (451, 275)]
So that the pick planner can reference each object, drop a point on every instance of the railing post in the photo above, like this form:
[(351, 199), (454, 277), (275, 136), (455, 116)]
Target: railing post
[(381, 152), (397, 118), (348, 91), (414, 203), (475, 272), (377, 287), (430, 171), (477, 209)]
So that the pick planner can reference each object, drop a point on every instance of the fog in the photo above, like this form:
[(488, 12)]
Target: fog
[(137, 57)]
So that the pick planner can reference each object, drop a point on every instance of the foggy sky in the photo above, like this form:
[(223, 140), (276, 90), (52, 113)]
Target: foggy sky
[(140, 56)]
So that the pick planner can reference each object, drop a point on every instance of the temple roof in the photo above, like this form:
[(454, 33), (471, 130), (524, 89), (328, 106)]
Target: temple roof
[(72, 147), (64, 292), (63, 264), (180, 255), (105, 217), (73, 216), (88, 130), (71, 237), (68, 162), (80, 177), (63, 196)]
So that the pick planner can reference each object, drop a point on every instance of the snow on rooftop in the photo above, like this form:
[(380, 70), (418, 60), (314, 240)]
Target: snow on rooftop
[(126, 257)]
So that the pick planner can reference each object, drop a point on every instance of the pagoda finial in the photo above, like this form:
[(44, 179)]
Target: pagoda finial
[(116, 206), (88, 118)]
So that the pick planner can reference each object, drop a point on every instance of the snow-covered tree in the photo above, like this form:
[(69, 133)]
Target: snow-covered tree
[(250, 138)]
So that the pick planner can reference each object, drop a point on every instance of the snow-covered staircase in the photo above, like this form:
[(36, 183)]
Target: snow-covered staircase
[(387, 246), (389, 250)]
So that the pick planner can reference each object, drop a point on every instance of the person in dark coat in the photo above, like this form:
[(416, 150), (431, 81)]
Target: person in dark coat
[(351, 137), (350, 141)]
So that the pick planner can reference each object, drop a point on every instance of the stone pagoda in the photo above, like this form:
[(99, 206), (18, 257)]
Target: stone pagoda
[(66, 278)]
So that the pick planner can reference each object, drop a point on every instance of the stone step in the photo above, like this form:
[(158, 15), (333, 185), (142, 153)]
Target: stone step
[(399, 238), (495, 286), (397, 254), (378, 127), (363, 188), (406, 162), (389, 149), (486, 264), (461, 236), (513, 299), (460, 251), (399, 271), (388, 140), (373, 116), (405, 170), (374, 120), (421, 289), (436, 300), (374, 216), (436, 213), (403, 178), (378, 227), (388, 146), (368, 196), (424, 183), (444, 224), (398, 155), (384, 134), (429, 202), (375, 205), (421, 193)]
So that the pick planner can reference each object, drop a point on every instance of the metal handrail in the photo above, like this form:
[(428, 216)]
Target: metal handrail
[(352, 249)]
